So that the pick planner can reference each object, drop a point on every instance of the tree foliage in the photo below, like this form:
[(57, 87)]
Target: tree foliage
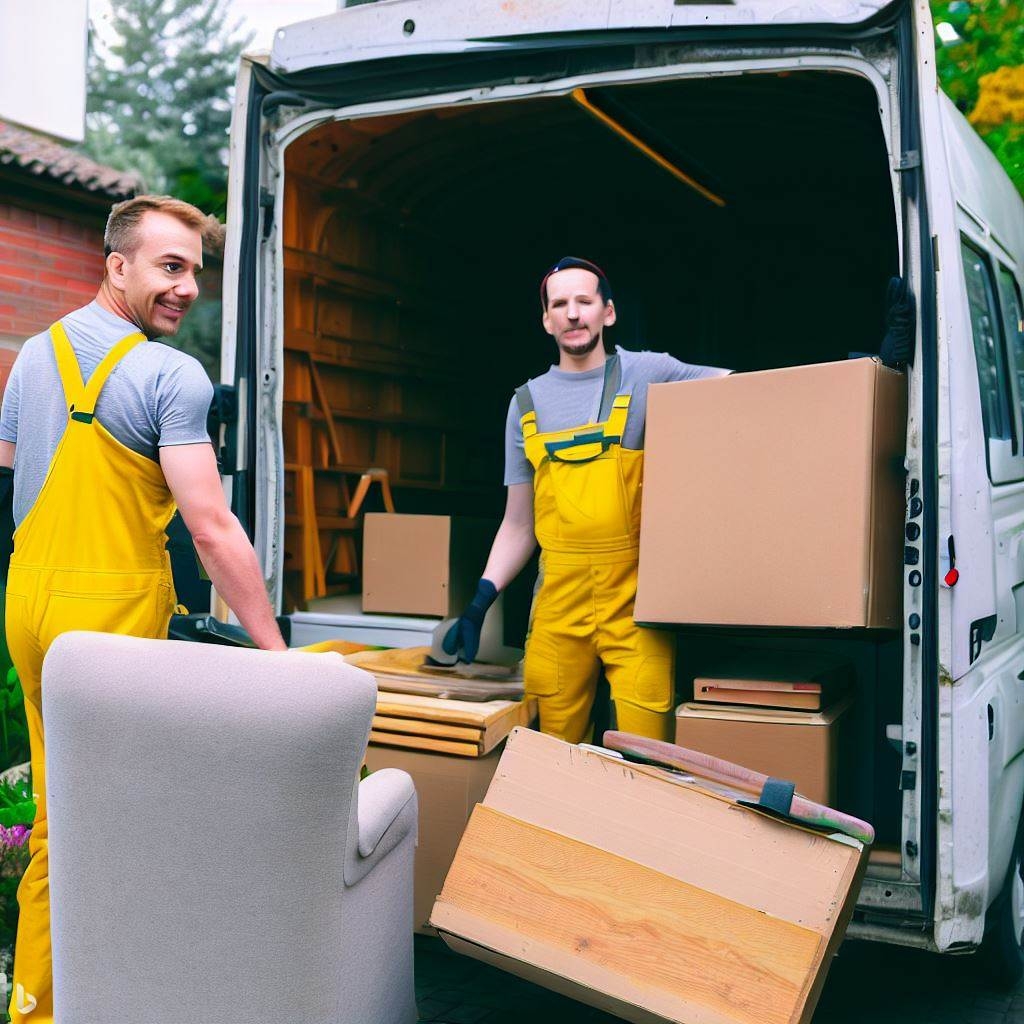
[(161, 77), (158, 103), (980, 62)]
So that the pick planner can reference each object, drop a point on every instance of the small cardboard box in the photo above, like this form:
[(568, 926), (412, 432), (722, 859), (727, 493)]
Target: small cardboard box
[(646, 894), (799, 746), (448, 787), (423, 565), (775, 498)]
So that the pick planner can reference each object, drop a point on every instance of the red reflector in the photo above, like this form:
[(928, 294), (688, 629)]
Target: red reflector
[(951, 577)]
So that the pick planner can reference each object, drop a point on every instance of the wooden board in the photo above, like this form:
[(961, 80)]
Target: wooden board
[(394, 739), (530, 886), (398, 671), (621, 866), (490, 721), (419, 727), (408, 661)]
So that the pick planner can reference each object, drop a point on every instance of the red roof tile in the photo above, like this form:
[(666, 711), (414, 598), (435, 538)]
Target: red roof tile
[(37, 155)]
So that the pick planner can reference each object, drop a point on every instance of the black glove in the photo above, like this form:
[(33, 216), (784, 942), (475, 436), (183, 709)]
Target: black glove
[(900, 322), (464, 637)]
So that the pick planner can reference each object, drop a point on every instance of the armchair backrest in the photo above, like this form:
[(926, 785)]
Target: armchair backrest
[(202, 801)]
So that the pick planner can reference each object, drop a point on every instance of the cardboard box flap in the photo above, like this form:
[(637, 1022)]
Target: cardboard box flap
[(767, 716)]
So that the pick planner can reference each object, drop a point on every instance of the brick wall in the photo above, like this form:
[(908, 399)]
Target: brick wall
[(49, 265)]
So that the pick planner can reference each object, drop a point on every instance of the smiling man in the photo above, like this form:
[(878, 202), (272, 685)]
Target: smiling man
[(106, 431), (573, 468)]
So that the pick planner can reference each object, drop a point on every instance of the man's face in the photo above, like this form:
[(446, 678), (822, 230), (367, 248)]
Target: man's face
[(158, 279), (576, 315)]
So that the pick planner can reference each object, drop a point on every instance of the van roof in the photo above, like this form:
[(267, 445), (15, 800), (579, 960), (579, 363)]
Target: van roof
[(390, 28)]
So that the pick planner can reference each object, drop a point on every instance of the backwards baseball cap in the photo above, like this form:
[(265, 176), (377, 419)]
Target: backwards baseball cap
[(568, 263)]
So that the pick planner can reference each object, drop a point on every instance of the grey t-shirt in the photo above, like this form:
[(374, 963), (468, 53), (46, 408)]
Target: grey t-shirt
[(156, 396), (565, 399)]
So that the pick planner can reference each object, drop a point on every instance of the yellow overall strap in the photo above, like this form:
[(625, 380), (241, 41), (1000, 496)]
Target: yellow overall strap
[(67, 365), (81, 398), (99, 377)]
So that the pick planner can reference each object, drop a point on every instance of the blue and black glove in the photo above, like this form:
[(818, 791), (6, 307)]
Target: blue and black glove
[(463, 638)]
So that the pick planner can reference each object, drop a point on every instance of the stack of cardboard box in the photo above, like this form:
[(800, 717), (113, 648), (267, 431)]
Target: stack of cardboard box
[(777, 713), (775, 500)]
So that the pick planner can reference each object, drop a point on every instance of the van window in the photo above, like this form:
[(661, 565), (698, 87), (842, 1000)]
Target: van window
[(993, 376), (1013, 328)]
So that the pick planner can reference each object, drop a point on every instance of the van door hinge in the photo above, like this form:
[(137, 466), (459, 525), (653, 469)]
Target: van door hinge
[(267, 205), (224, 412), (909, 161)]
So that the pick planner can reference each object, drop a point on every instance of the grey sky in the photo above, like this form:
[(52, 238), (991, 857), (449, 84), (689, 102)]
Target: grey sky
[(262, 16)]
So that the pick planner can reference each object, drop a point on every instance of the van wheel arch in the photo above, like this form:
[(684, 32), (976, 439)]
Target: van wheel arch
[(1001, 954)]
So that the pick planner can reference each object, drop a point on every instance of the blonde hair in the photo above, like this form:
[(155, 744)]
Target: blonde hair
[(122, 224)]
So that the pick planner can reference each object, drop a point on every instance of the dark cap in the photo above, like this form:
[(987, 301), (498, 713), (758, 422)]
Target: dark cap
[(568, 263)]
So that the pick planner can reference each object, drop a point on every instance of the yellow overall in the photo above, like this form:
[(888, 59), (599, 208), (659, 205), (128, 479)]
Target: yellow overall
[(587, 521), (89, 555)]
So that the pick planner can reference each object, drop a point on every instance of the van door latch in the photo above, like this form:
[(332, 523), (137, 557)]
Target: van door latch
[(909, 160)]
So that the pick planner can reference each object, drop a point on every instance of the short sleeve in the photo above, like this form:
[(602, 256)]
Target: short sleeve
[(664, 368), (12, 400), (517, 467), (183, 398)]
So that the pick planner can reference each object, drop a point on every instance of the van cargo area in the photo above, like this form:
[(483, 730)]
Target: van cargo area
[(413, 245)]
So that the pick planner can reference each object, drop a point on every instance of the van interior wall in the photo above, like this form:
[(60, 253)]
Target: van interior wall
[(415, 242)]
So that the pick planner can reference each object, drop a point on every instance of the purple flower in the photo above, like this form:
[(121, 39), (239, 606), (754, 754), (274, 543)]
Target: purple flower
[(15, 836)]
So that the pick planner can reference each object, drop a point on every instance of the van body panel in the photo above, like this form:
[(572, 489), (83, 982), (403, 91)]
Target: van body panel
[(405, 27), (979, 182)]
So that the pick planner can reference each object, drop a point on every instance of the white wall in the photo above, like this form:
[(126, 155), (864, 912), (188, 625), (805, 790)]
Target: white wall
[(42, 65)]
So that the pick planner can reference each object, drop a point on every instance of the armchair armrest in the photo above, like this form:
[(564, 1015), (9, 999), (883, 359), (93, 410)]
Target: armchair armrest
[(382, 796), (386, 815)]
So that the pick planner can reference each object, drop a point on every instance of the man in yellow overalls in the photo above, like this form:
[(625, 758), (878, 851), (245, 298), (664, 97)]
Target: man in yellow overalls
[(106, 433), (574, 469)]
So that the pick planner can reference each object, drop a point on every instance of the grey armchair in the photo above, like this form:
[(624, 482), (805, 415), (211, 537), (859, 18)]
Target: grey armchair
[(213, 855)]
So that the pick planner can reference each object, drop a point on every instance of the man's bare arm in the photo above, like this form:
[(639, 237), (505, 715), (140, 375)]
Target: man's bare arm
[(224, 549), (7, 454), (515, 540)]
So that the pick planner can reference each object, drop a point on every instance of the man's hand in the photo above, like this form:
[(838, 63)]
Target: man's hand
[(463, 638), (221, 543)]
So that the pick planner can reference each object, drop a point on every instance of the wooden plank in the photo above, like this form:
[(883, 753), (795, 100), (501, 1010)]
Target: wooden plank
[(458, 712), (678, 828), (325, 410), (421, 727), (409, 661), (641, 932), (394, 739)]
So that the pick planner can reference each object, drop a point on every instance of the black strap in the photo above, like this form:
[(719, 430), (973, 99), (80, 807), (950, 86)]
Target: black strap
[(777, 795), (612, 380), (524, 399)]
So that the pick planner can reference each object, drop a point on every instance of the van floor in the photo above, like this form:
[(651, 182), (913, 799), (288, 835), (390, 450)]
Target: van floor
[(883, 984)]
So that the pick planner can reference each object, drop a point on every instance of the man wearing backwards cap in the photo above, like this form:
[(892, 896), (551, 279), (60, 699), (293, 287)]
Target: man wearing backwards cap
[(573, 468)]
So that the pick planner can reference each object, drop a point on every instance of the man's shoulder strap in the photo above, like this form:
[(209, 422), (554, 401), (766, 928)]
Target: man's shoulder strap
[(524, 399)]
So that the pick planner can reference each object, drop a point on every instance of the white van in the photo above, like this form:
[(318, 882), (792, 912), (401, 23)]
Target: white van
[(750, 174)]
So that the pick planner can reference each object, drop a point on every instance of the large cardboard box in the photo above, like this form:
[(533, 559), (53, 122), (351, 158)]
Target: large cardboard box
[(775, 498), (423, 565), (448, 787), (799, 746), (646, 894)]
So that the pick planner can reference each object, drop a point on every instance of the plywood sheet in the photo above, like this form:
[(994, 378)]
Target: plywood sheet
[(685, 830), (395, 739), (524, 884)]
